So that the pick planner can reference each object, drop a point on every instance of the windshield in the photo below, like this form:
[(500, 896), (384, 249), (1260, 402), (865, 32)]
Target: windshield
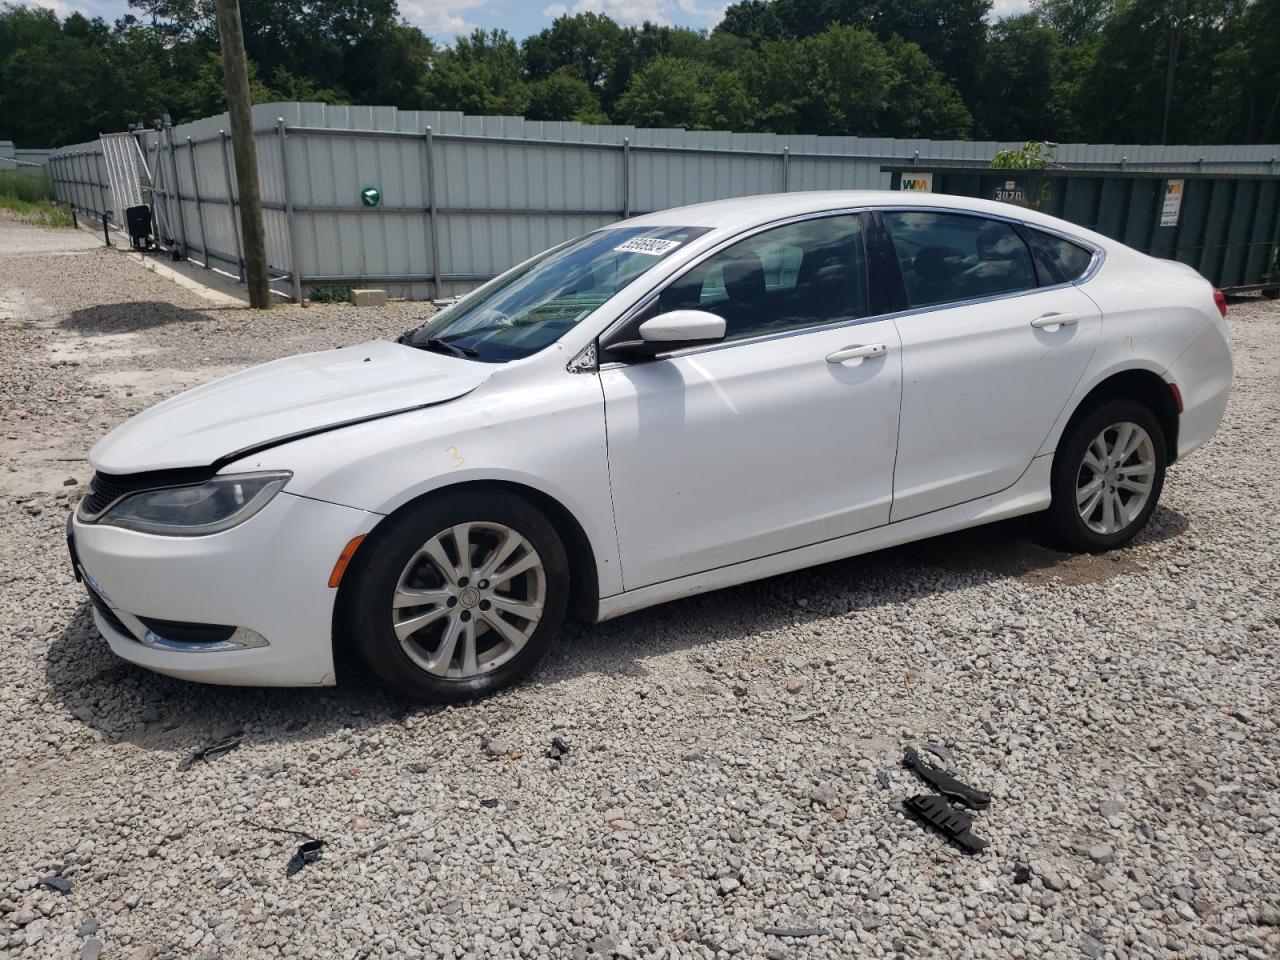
[(536, 305)]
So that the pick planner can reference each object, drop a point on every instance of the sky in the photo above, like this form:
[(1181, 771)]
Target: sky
[(445, 19)]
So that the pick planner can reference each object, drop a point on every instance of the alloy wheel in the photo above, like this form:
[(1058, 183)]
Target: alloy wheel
[(469, 599), (1115, 478)]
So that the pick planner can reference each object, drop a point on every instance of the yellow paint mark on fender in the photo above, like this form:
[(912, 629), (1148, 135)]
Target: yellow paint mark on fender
[(457, 457)]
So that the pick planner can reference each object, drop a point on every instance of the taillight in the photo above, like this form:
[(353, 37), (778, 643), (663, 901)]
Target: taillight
[(1177, 397), (1220, 299)]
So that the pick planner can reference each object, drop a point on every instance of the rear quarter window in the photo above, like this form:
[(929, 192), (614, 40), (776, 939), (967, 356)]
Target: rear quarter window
[(1071, 259)]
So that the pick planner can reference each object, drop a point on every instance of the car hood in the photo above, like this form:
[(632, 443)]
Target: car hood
[(283, 400)]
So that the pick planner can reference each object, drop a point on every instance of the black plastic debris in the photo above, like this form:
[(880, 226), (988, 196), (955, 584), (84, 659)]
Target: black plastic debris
[(940, 751), (55, 882), (934, 811), (213, 751), (489, 802), (558, 749), (1021, 873), (945, 783), (308, 852)]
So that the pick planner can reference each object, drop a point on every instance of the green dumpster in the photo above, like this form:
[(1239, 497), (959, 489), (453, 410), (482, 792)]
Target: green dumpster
[(1226, 226)]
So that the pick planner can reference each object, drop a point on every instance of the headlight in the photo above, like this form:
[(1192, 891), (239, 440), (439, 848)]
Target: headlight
[(197, 509)]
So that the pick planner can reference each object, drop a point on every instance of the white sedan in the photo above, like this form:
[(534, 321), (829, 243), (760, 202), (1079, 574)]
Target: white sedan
[(672, 404)]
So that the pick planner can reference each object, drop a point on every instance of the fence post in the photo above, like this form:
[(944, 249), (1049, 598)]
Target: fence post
[(195, 189), (78, 169), (90, 171), (295, 273), (176, 191), (626, 177), (231, 205), (162, 213), (433, 214), (786, 168), (97, 176), (88, 183)]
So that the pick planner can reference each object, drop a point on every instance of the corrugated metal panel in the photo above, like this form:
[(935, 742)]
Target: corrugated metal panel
[(516, 186)]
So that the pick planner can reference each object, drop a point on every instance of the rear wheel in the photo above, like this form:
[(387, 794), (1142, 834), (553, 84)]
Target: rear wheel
[(1272, 294), (459, 596), (1107, 477)]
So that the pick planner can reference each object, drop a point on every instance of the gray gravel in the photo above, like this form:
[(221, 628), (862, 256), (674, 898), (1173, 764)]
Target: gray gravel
[(732, 784)]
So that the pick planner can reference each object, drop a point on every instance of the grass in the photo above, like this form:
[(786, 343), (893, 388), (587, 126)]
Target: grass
[(330, 295), (31, 198)]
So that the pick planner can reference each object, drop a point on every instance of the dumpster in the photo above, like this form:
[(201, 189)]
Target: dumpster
[(1227, 226)]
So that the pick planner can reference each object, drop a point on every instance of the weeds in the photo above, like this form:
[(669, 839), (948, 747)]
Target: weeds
[(31, 198), (330, 295)]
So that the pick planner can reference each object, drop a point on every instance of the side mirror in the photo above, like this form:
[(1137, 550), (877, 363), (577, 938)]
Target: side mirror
[(672, 330)]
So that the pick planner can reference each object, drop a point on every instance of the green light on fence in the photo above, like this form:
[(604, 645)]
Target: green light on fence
[(370, 196)]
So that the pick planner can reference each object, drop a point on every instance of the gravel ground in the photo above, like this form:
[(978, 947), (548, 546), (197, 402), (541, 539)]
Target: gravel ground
[(734, 758)]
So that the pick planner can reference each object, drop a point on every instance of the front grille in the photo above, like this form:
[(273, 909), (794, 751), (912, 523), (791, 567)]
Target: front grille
[(106, 488)]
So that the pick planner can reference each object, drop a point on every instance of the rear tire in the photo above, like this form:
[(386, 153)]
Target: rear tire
[(1272, 294), (440, 624), (1107, 477)]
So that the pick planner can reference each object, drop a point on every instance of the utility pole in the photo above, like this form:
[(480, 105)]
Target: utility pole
[(244, 150)]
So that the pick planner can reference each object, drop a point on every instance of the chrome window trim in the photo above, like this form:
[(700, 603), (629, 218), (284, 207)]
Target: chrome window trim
[(1095, 264), (1099, 255)]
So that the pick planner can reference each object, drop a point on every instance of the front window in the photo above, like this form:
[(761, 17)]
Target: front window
[(798, 275), (534, 306)]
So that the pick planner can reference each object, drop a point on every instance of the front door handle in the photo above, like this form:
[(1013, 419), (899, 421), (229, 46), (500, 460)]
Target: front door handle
[(858, 352), (1053, 321)]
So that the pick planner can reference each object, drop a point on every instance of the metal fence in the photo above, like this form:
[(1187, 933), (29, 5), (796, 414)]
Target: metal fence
[(26, 160), (462, 198)]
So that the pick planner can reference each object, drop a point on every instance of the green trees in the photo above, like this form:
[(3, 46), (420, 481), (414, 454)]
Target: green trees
[(1102, 70), (1019, 91), (481, 74), (681, 92)]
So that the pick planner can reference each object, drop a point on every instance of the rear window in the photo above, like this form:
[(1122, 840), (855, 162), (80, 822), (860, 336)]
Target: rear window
[(1071, 259)]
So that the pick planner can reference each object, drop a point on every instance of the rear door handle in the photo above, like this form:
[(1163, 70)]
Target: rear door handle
[(1052, 321), (858, 352)]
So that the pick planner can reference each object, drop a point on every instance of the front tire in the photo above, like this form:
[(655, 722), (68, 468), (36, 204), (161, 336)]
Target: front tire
[(457, 596), (1107, 477)]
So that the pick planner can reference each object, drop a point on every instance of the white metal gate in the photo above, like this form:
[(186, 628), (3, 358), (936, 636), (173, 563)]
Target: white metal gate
[(127, 173)]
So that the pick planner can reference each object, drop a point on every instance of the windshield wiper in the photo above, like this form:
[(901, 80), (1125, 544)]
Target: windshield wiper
[(437, 345)]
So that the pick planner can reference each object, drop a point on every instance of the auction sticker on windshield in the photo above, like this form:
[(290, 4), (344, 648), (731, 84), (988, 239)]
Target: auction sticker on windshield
[(653, 246)]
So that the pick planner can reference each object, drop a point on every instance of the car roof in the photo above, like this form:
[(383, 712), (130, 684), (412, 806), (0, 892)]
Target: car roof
[(738, 213)]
